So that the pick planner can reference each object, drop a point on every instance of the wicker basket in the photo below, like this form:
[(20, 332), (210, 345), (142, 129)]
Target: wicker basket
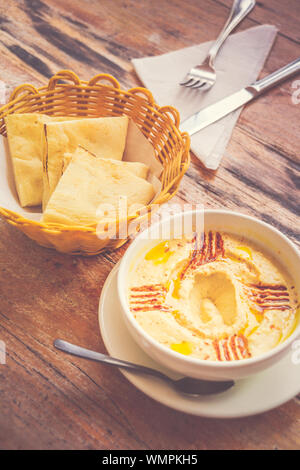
[(67, 95)]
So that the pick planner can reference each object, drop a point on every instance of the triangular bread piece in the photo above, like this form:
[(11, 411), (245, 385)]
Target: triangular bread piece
[(104, 137), (92, 186), (137, 168), (25, 133)]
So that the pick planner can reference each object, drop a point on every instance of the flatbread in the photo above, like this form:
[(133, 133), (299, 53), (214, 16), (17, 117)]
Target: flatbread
[(89, 191), (25, 133), (137, 168), (104, 137)]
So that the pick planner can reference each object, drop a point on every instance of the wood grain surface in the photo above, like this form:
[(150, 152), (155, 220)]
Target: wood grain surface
[(50, 400)]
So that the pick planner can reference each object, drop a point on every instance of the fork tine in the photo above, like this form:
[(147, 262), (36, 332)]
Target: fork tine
[(199, 84), (191, 85), (184, 83), (195, 84)]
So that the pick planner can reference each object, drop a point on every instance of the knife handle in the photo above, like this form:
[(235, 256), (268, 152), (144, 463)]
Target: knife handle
[(276, 77)]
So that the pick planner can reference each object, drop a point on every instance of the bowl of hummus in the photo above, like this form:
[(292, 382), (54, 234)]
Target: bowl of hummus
[(216, 302)]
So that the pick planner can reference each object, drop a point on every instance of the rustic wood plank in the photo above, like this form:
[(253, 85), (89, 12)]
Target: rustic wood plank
[(50, 400)]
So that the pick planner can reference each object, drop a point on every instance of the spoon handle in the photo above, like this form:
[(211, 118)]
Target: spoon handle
[(104, 359)]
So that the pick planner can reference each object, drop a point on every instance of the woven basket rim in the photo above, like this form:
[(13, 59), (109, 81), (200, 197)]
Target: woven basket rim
[(16, 219)]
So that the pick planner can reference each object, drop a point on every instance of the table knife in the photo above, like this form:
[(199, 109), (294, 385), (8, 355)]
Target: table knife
[(216, 111)]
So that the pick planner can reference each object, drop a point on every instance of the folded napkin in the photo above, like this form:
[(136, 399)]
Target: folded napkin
[(238, 64)]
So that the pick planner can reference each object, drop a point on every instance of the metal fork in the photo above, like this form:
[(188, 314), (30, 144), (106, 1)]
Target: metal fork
[(204, 75)]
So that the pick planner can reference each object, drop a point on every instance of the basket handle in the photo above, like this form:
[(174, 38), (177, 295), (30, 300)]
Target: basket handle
[(187, 140), (23, 90), (63, 75), (187, 144), (172, 114), (145, 93), (104, 77)]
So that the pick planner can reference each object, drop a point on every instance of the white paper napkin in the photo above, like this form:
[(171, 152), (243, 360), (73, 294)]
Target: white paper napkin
[(238, 64)]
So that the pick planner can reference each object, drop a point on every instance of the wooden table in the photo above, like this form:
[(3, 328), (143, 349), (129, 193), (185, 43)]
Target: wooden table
[(50, 400)]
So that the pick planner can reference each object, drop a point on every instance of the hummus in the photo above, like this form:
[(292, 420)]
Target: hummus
[(216, 297)]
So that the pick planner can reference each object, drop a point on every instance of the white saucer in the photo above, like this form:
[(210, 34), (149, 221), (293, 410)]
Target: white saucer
[(249, 396)]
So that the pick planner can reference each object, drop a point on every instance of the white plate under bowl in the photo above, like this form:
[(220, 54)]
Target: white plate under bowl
[(255, 394)]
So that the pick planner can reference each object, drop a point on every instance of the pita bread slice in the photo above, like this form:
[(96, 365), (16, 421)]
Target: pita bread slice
[(137, 168), (104, 137), (25, 133), (92, 186)]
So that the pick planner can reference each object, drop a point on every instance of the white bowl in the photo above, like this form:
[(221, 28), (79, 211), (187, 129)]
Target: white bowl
[(269, 238)]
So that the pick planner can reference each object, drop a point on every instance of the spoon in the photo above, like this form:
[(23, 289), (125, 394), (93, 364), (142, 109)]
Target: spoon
[(186, 385)]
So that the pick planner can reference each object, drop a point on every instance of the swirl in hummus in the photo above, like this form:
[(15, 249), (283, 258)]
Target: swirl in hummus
[(216, 297)]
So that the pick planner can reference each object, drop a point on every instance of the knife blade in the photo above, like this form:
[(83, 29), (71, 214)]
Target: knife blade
[(216, 111)]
